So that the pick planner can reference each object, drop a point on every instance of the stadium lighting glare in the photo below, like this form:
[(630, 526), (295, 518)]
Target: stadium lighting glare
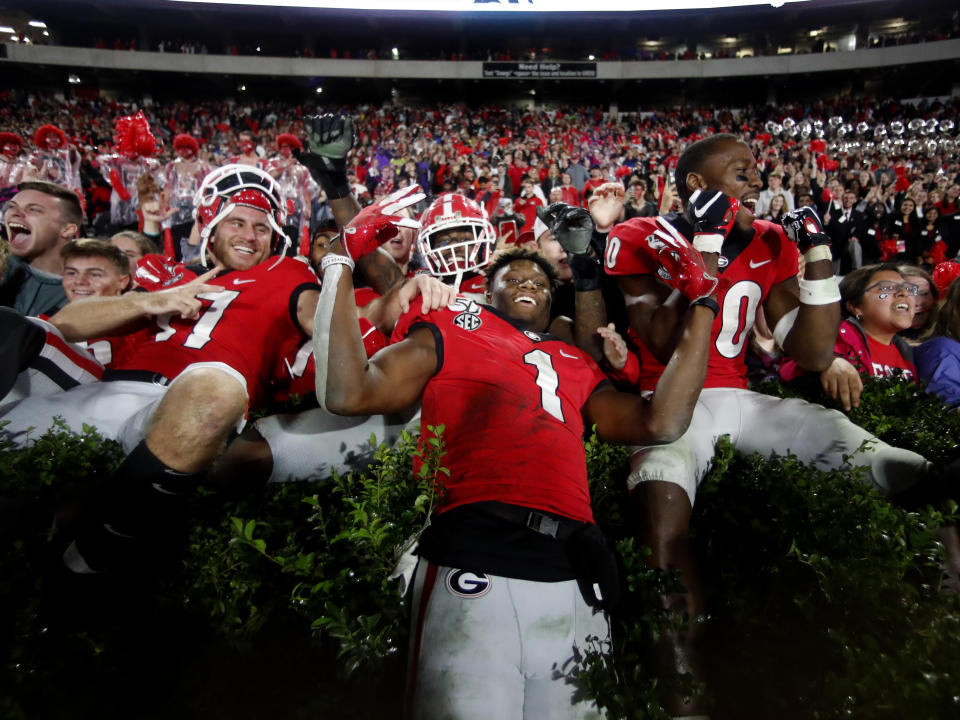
[(319, 90), (512, 7), (46, 33), (73, 79), (591, 57), (395, 53), (6, 29), (14, 38), (37, 24)]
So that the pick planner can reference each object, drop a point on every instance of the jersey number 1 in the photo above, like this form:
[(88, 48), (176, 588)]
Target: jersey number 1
[(547, 380)]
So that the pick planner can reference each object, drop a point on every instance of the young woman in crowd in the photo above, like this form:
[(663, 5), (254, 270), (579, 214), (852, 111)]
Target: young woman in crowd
[(778, 207), (925, 302), (938, 357)]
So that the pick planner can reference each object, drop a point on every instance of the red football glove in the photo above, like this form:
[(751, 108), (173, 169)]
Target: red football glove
[(156, 272), (712, 215), (681, 265), (378, 223)]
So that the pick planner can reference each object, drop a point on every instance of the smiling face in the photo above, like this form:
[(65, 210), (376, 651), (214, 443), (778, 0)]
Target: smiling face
[(35, 225), (521, 291), (242, 239), (92, 276), (924, 302), (886, 307), (731, 169)]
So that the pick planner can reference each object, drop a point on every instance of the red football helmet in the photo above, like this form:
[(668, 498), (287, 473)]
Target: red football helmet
[(451, 211), (231, 185)]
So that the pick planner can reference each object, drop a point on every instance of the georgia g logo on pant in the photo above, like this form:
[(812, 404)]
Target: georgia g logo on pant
[(467, 584)]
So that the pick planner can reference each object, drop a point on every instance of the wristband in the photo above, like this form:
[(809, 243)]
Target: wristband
[(707, 302), (818, 252), (819, 292), (334, 259), (710, 243)]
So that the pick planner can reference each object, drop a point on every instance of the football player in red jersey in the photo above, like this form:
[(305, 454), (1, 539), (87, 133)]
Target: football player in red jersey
[(208, 357), (718, 182), (512, 568)]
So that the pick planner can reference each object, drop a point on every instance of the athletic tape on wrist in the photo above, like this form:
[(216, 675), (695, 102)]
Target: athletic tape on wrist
[(784, 326), (819, 292), (334, 259), (708, 242), (321, 328), (818, 252)]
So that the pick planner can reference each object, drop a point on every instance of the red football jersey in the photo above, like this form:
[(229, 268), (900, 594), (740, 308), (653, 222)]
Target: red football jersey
[(510, 402), (768, 259), (245, 326), (299, 369)]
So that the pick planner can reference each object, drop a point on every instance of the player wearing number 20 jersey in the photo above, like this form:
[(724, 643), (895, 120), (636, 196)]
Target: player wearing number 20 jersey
[(770, 258)]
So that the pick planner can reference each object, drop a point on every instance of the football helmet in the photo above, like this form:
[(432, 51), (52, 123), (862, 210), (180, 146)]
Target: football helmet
[(230, 186), (452, 211)]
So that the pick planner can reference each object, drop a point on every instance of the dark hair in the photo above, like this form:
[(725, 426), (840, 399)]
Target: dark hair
[(854, 285), (946, 319), (92, 247), (70, 210), (504, 259), (693, 157)]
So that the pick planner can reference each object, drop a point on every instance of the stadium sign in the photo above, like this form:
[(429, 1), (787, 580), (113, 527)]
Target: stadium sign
[(510, 70)]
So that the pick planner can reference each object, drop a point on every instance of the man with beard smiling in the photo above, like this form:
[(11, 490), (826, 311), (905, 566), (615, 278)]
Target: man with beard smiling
[(718, 183), (39, 220), (210, 347)]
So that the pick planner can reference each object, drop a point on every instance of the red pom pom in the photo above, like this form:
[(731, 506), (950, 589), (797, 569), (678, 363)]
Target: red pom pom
[(133, 138)]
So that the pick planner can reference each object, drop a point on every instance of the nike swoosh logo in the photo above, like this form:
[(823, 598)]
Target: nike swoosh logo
[(756, 265), (238, 281), (572, 357), (700, 212)]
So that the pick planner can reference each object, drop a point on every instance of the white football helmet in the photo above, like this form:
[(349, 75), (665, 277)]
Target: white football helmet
[(228, 186), (462, 255)]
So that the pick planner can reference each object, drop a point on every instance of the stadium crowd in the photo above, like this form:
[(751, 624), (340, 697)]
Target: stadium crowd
[(589, 246)]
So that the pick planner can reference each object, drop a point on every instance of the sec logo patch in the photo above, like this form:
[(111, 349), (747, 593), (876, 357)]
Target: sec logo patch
[(467, 584), (467, 321)]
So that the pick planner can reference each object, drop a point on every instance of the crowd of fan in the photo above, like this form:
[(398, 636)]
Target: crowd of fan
[(893, 205)]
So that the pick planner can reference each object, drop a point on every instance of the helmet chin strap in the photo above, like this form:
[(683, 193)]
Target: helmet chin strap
[(457, 281)]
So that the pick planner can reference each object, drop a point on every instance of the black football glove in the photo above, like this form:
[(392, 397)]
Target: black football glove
[(712, 214), (573, 228), (803, 227), (329, 138)]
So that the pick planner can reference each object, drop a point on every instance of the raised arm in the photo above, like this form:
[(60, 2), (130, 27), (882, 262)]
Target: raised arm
[(805, 314), (349, 384), (664, 416)]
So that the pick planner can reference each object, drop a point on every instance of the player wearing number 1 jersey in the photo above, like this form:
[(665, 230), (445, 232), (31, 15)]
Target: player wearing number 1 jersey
[(512, 569)]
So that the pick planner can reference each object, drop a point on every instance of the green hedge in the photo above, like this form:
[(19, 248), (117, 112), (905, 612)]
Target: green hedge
[(825, 598)]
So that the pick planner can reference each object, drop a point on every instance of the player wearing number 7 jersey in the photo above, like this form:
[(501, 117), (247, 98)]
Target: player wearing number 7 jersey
[(512, 569), (211, 346), (718, 183)]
